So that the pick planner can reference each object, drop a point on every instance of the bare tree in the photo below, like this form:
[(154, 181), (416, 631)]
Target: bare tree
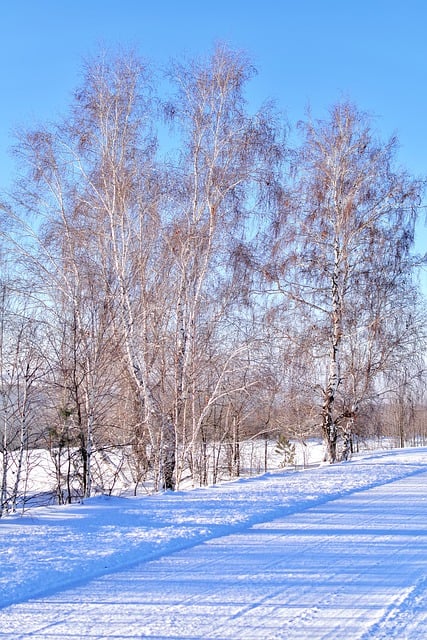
[(94, 182), (228, 164), (20, 369), (350, 227)]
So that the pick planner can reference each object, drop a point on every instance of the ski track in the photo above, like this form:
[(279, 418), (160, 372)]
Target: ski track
[(406, 618), (351, 565)]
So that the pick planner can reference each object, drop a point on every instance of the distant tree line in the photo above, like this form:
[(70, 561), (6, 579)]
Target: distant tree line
[(175, 276)]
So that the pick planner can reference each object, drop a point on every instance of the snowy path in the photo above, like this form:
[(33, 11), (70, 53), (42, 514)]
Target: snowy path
[(353, 568)]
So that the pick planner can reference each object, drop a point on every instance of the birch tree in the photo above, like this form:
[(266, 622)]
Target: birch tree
[(113, 151), (92, 184), (351, 227), (227, 169)]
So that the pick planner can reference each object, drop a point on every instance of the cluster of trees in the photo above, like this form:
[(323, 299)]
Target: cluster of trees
[(174, 274)]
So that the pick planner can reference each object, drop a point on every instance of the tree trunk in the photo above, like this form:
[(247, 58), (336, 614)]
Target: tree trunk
[(168, 453), (329, 426), (5, 462), (23, 444)]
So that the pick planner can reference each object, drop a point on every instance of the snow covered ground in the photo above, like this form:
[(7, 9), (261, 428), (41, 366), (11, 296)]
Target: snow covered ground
[(337, 552)]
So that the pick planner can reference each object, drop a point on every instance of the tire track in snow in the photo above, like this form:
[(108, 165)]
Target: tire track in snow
[(406, 618)]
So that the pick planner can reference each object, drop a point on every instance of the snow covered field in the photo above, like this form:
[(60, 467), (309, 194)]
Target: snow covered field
[(337, 552)]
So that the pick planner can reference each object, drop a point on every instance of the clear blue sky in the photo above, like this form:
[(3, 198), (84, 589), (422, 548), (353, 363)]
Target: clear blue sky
[(315, 52)]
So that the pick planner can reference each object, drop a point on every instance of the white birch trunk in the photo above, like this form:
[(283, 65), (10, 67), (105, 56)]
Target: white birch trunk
[(329, 425)]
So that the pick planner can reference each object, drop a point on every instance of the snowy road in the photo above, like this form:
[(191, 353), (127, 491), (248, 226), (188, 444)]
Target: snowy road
[(353, 568)]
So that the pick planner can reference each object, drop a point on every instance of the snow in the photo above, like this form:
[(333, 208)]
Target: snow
[(337, 552)]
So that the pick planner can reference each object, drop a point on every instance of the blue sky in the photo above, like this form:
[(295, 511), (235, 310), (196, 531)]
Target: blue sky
[(307, 52)]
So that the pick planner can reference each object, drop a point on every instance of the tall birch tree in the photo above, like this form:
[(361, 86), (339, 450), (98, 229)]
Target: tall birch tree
[(347, 241), (226, 171)]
